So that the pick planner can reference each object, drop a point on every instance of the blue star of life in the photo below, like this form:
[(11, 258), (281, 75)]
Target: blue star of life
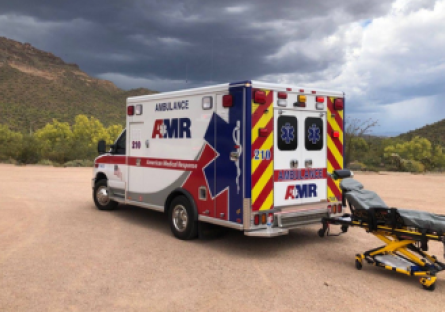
[(287, 133), (314, 134)]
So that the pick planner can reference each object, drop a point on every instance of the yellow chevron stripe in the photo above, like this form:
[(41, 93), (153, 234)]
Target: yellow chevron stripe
[(264, 120), (335, 152), (258, 188), (268, 202), (333, 149), (267, 145)]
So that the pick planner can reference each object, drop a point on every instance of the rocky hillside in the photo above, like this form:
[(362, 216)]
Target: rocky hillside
[(37, 86), (435, 133)]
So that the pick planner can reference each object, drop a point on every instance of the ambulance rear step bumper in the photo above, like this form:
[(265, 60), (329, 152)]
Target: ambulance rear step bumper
[(271, 232), (288, 220)]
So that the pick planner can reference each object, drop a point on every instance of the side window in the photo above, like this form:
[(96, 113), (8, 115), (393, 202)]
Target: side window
[(314, 134), (287, 133), (120, 144)]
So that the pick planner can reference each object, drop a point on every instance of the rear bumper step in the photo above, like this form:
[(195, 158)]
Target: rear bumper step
[(271, 232), (296, 218)]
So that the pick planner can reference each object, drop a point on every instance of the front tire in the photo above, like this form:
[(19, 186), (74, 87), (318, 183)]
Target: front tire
[(182, 219), (101, 196)]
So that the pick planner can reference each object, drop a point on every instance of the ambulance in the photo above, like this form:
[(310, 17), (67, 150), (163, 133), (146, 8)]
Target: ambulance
[(252, 156)]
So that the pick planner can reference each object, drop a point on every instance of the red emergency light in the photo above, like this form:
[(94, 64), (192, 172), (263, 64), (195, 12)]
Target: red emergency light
[(282, 95), (227, 100), (336, 134), (259, 97), (130, 110), (263, 132), (319, 99), (338, 104)]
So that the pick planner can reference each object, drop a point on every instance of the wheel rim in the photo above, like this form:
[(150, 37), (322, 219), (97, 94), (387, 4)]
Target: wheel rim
[(180, 218), (102, 196)]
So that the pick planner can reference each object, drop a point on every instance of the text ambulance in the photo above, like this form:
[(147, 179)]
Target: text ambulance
[(248, 155)]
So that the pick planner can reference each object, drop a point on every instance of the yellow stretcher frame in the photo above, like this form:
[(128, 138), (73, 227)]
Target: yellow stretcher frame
[(395, 244)]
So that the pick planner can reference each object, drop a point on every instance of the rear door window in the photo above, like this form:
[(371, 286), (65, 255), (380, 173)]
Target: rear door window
[(314, 134), (287, 134)]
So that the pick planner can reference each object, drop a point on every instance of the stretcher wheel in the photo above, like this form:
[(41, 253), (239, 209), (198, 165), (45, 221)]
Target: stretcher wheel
[(344, 228), (321, 232), (430, 288), (358, 265)]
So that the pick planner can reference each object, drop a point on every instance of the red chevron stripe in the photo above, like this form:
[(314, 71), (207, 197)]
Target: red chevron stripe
[(332, 111), (336, 141), (261, 169), (260, 140), (263, 195), (334, 188), (256, 116), (333, 161)]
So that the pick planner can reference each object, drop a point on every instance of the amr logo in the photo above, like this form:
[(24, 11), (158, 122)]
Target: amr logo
[(172, 128), (301, 191)]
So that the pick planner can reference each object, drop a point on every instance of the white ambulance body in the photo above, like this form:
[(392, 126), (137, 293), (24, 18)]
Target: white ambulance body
[(248, 155)]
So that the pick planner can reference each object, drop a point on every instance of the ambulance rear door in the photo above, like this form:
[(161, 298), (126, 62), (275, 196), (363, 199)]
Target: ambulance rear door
[(299, 157)]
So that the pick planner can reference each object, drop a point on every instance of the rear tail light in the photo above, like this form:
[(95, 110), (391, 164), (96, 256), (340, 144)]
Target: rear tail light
[(334, 209), (299, 104), (257, 219), (227, 100), (264, 218), (130, 110), (339, 208), (338, 104), (260, 97)]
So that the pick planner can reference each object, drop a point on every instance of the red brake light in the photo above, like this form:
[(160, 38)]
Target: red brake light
[(257, 219), (338, 104), (260, 97), (227, 100), (130, 110), (339, 208), (282, 95), (319, 99), (263, 132)]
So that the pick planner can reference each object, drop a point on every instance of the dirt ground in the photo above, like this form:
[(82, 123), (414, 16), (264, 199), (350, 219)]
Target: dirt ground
[(59, 253)]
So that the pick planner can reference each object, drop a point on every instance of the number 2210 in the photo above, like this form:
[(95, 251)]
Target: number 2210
[(262, 154)]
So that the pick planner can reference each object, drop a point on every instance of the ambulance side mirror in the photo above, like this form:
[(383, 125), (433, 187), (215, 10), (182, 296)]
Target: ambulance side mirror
[(101, 147)]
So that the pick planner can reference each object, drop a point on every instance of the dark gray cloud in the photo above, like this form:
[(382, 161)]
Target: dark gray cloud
[(200, 40)]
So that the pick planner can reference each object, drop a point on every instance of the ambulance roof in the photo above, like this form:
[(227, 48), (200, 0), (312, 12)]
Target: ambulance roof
[(225, 86)]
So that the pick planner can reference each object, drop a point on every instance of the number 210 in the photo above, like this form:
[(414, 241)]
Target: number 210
[(262, 154)]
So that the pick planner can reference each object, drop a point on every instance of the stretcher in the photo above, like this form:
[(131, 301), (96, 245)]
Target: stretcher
[(405, 232)]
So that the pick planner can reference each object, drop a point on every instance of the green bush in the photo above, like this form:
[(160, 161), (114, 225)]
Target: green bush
[(30, 152), (45, 162), (357, 166), (414, 166)]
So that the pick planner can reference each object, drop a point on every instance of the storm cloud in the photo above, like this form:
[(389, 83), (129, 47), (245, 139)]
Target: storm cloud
[(383, 54)]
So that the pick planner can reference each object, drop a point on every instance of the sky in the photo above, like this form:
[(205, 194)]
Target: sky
[(387, 56)]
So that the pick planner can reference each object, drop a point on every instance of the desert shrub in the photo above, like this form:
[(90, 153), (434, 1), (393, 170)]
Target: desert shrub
[(45, 162), (414, 166), (357, 166), (30, 151)]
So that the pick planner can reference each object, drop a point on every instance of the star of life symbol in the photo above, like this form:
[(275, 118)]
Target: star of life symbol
[(314, 134), (287, 133)]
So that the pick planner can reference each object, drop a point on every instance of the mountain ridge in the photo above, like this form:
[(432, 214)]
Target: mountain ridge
[(37, 86)]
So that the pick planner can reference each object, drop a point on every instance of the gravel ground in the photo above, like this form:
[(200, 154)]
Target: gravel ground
[(59, 253)]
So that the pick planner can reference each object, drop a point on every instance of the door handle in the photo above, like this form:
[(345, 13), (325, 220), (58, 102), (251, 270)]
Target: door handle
[(234, 156), (294, 163), (308, 163)]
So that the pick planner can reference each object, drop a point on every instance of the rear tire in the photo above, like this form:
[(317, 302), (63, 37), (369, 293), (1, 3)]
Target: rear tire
[(101, 196), (182, 218)]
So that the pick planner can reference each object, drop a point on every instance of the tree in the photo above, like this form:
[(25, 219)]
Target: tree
[(113, 132), (355, 132), (87, 132), (56, 140), (10, 142)]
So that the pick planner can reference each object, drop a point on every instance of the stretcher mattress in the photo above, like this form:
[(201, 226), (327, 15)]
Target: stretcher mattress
[(362, 199)]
